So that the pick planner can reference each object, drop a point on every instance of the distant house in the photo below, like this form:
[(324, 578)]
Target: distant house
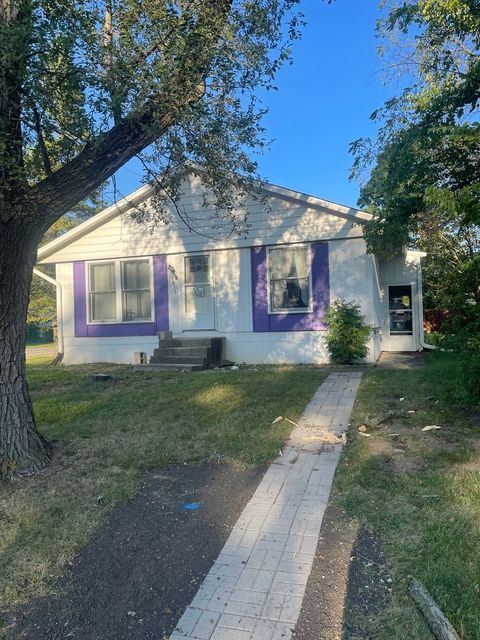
[(265, 294)]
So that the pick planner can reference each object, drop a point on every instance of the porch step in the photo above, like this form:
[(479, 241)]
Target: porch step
[(188, 342), (191, 354), (205, 352), (165, 366), (179, 359)]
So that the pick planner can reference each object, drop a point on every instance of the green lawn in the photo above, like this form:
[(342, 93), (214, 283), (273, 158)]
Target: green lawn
[(107, 433), (419, 491)]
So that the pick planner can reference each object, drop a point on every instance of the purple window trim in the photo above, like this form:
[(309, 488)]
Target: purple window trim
[(160, 323), (309, 321)]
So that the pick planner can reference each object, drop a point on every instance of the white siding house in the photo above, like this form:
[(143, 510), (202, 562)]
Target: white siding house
[(265, 292)]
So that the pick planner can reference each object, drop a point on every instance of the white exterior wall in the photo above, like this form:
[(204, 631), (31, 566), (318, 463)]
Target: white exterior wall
[(350, 278), (354, 275), (378, 324), (286, 221)]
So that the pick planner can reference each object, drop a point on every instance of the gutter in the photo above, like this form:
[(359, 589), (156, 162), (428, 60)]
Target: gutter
[(58, 286)]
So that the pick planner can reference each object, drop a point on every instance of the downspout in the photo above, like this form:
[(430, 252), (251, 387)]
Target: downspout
[(59, 290), (421, 333)]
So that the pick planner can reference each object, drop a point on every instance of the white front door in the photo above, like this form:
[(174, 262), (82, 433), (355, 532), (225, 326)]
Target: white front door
[(401, 318), (199, 308)]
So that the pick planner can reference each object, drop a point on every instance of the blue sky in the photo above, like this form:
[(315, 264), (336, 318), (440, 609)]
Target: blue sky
[(323, 103)]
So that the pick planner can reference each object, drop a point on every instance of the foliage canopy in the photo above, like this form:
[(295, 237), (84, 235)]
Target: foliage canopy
[(184, 75), (424, 166)]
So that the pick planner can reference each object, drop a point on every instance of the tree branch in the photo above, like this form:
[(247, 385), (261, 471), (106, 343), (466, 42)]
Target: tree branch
[(108, 62), (41, 142), (101, 158)]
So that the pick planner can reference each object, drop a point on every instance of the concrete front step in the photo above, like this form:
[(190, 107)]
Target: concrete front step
[(196, 352), (168, 367), (190, 353), (187, 342), (163, 359)]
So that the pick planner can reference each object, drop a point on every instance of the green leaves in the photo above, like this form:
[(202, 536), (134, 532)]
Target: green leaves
[(424, 184), (79, 67), (347, 332)]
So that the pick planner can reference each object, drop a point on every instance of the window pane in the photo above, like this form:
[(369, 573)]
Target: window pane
[(102, 306), (289, 262), (401, 322), (137, 305), (400, 297), (197, 269), (289, 278), (102, 277), (136, 274), (290, 293)]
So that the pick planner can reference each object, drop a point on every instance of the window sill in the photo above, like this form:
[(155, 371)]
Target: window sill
[(401, 333), (289, 312), (116, 322)]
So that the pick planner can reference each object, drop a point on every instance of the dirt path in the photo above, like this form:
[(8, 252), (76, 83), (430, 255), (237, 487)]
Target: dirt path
[(349, 581), (142, 568)]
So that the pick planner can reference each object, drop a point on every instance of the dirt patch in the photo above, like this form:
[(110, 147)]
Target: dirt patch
[(349, 581), (400, 463), (394, 452), (471, 466), (145, 564), (322, 612), (400, 360), (381, 447), (368, 587)]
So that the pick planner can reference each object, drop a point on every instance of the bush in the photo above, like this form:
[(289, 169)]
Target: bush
[(434, 338), (347, 332), (469, 380), (466, 344)]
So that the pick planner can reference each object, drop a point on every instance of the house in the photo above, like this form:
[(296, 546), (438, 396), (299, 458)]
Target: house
[(264, 293)]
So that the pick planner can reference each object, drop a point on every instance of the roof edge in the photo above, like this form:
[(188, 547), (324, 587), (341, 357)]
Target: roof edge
[(95, 221), (145, 191), (415, 253), (316, 202)]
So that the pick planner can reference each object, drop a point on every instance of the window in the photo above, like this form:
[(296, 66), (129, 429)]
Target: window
[(120, 291), (136, 294), (289, 279), (102, 292)]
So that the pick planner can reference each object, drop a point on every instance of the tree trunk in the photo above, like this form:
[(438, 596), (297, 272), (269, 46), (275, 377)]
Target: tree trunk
[(22, 448)]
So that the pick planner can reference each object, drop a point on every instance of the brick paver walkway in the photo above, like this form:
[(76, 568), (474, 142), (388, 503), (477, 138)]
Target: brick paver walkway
[(255, 589)]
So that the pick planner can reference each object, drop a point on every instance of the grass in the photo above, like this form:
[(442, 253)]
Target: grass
[(419, 491), (106, 434), (40, 357)]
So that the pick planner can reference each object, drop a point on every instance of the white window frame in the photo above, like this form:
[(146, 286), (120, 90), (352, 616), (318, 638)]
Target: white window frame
[(117, 262), (308, 309)]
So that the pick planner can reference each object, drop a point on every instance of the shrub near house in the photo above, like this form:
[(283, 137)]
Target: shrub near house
[(347, 332)]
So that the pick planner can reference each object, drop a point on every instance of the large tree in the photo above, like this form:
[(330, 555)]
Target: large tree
[(87, 86), (424, 165)]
